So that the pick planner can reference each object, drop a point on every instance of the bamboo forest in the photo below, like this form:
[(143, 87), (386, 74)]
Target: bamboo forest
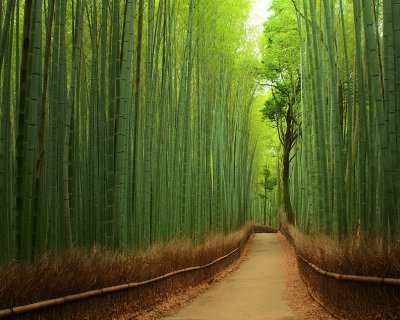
[(150, 147)]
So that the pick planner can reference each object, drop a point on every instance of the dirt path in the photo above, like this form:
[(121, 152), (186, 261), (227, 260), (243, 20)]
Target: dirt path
[(254, 291)]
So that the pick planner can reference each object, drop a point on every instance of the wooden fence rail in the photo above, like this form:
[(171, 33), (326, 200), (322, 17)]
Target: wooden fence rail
[(338, 276), (98, 292)]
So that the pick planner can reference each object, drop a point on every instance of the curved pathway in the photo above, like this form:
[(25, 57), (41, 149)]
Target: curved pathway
[(255, 291)]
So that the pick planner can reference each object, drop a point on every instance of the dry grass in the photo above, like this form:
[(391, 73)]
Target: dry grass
[(300, 301), (181, 298), (348, 299), (77, 271)]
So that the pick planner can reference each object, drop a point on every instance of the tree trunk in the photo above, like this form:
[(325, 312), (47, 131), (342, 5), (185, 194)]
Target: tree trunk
[(265, 201), (71, 95), (285, 180), (20, 129)]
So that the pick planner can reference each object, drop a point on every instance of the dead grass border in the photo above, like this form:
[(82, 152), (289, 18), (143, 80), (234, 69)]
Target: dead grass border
[(93, 270), (347, 295)]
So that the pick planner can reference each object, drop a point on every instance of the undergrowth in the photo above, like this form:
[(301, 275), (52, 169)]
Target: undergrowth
[(77, 271), (353, 256)]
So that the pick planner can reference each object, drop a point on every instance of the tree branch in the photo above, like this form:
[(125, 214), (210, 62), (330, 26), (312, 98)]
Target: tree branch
[(298, 11)]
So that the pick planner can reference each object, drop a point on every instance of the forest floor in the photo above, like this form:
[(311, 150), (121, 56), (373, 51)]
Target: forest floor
[(266, 285)]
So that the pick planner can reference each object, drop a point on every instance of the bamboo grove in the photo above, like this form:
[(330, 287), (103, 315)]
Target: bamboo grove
[(346, 174), (123, 123)]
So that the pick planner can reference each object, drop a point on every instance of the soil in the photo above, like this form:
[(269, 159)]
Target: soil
[(254, 291), (267, 285), (300, 301), (182, 298)]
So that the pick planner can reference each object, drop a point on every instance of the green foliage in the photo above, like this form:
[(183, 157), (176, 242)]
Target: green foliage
[(268, 156), (268, 182), (280, 54), (145, 130), (276, 104), (346, 169), (280, 71)]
